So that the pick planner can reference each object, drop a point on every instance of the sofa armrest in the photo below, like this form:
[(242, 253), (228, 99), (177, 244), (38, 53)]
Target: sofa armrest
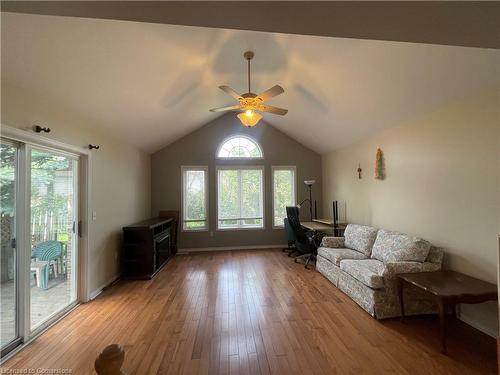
[(436, 255), (333, 242), (394, 268)]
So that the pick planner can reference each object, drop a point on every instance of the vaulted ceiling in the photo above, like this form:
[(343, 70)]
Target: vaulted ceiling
[(154, 83)]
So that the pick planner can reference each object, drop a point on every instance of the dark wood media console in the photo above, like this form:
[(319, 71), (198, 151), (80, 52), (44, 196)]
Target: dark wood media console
[(147, 246)]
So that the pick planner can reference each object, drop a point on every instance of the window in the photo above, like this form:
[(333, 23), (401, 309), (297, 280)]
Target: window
[(240, 197), (194, 198), (283, 192), (239, 146)]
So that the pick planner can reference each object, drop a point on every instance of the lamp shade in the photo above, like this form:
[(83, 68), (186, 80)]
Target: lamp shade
[(249, 118), (309, 182)]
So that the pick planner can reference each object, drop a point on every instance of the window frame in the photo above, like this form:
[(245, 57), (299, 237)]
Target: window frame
[(184, 169), (263, 188), (239, 135), (281, 168)]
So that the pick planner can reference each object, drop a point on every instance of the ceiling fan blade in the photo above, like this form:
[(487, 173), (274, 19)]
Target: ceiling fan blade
[(273, 91), (273, 110), (229, 108), (230, 91)]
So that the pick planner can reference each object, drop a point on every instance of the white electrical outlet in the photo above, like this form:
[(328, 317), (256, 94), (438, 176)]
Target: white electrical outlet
[(211, 234), (94, 215)]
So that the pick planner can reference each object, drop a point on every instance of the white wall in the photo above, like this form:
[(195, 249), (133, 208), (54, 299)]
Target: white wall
[(442, 184), (120, 190)]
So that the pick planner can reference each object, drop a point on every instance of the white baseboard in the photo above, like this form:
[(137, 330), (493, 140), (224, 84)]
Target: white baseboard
[(477, 325), (99, 290), (226, 248)]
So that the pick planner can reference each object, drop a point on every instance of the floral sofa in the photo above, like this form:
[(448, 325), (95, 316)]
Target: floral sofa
[(364, 264)]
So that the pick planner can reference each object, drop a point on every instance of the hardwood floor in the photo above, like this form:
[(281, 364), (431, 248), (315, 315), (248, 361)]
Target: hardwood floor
[(249, 312)]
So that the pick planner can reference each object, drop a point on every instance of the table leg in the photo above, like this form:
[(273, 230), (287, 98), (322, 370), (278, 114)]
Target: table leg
[(442, 321), (401, 302)]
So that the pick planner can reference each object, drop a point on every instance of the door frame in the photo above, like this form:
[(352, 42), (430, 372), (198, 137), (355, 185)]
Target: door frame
[(28, 139), (19, 307)]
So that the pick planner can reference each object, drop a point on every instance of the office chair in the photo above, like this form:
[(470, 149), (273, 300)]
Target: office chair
[(290, 239), (306, 243)]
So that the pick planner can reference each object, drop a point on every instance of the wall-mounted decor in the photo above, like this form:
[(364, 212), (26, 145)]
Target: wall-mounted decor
[(93, 147), (359, 171), (379, 165)]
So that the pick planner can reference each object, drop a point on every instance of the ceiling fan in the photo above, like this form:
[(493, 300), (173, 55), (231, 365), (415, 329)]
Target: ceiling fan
[(251, 103)]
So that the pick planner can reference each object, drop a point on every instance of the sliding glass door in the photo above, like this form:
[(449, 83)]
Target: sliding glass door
[(39, 239), (53, 223), (9, 286)]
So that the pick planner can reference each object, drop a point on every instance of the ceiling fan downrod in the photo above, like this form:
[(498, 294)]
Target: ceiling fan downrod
[(249, 56)]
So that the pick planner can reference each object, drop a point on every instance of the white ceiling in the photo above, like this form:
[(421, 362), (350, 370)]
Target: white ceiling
[(154, 83)]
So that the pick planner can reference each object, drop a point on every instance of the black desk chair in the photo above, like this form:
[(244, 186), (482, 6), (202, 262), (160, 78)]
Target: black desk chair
[(306, 243), (290, 239)]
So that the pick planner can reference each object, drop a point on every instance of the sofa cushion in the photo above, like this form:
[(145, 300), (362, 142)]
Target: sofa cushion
[(360, 238), (399, 247), (333, 242), (335, 255), (368, 271)]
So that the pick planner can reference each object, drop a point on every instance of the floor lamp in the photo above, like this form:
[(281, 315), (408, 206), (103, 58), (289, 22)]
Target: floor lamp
[(309, 184)]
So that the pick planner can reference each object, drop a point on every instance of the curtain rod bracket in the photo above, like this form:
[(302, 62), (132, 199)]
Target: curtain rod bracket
[(39, 129)]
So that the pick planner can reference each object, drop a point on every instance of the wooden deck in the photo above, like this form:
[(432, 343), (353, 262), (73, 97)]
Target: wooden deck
[(250, 312), (43, 304)]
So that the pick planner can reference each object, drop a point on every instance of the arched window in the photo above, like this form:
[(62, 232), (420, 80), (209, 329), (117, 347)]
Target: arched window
[(239, 147)]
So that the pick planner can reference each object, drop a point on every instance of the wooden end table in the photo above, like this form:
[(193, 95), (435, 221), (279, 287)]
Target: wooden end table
[(450, 288)]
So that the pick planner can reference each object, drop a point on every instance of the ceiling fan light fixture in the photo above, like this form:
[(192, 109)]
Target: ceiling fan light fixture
[(249, 102), (249, 118)]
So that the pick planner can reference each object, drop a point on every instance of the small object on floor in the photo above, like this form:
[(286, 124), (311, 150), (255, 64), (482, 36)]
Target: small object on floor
[(110, 361)]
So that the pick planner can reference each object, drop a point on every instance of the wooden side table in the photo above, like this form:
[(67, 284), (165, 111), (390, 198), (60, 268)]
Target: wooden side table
[(450, 288)]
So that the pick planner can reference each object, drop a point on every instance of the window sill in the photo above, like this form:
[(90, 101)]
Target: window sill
[(194, 230), (239, 229)]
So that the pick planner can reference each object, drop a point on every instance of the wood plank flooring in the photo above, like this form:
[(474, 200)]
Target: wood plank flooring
[(249, 312)]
